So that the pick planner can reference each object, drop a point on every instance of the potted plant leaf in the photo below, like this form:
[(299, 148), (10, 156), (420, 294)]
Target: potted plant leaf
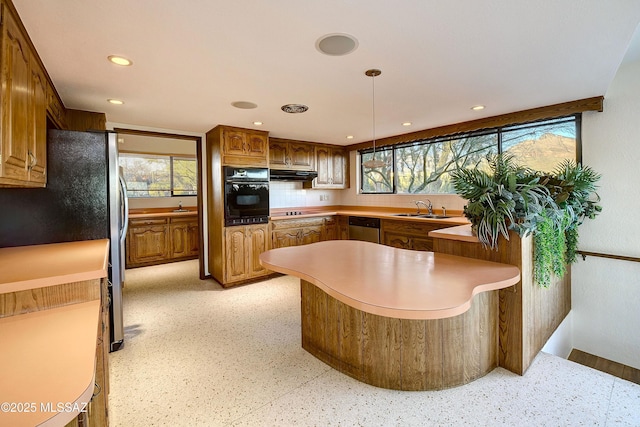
[(506, 196)]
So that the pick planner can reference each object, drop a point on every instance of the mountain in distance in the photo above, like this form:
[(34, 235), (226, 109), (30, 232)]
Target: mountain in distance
[(545, 153)]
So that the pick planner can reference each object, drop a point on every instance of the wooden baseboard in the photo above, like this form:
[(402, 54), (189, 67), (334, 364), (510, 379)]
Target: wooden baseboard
[(610, 367)]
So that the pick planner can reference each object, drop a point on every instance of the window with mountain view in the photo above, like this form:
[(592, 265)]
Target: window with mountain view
[(150, 175), (424, 167)]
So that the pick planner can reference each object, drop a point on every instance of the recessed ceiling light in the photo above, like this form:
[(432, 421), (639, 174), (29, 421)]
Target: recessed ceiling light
[(257, 123), (115, 101), (477, 107), (244, 105), (349, 136), (336, 44), (294, 108), (407, 124), (119, 60)]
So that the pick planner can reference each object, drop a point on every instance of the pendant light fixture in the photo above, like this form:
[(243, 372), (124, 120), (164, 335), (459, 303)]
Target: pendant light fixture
[(373, 163)]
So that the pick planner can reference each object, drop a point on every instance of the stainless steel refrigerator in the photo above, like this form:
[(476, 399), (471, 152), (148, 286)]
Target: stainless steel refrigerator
[(85, 199)]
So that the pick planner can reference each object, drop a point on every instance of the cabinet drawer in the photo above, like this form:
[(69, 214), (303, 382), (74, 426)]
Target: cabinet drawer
[(183, 219), (140, 222), (297, 223)]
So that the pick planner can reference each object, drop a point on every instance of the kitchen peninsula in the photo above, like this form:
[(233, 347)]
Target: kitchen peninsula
[(396, 318), (54, 333)]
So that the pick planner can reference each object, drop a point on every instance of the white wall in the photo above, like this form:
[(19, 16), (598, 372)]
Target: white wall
[(606, 293)]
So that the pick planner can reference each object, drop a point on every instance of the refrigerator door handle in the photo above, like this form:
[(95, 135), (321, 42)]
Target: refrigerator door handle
[(125, 207)]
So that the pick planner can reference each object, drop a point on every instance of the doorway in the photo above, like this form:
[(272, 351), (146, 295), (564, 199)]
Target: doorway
[(175, 146)]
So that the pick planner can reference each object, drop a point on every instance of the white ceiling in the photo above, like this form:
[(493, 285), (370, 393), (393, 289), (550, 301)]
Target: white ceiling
[(193, 58)]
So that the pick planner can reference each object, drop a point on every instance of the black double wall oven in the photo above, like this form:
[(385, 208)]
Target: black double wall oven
[(246, 195)]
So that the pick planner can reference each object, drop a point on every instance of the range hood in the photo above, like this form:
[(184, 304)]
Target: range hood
[(289, 175)]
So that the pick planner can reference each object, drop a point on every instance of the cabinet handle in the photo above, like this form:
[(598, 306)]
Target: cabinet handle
[(32, 160), (98, 391)]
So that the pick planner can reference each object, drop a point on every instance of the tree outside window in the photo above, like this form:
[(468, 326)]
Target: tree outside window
[(424, 167), (149, 175)]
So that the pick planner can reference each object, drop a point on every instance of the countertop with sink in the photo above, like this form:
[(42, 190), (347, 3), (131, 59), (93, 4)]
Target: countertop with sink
[(452, 217)]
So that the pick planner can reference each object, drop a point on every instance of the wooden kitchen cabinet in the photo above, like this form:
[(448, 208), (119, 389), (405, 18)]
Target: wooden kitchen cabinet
[(302, 231), (292, 155), (408, 234), (243, 246), (331, 162), (22, 107), (184, 237), (147, 241), (161, 239), (240, 147)]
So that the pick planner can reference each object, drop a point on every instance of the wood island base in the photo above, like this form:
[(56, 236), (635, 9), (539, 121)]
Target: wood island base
[(401, 354)]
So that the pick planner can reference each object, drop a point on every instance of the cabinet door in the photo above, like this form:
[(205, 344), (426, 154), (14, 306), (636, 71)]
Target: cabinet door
[(16, 115), (233, 142), (148, 244), (37, 152), (338, 168), (236, 250), (179, 240), (278, 154), (310, 235), (301, 156), (397, 240), (323, 163), (285, 238), (193, 239), (257, 235), (256, 146)]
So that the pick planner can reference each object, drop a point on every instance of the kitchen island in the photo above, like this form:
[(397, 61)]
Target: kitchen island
[(396, 318)]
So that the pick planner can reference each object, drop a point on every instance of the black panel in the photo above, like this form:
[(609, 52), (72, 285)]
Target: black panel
[(73, 206)]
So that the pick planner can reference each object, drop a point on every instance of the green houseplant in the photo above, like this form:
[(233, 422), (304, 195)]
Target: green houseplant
[(507, 196), (551, 206)]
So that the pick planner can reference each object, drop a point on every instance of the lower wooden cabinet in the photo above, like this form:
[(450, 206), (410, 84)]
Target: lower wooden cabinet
[(243, 246), (408, 234), (161, 239), (302, 231)]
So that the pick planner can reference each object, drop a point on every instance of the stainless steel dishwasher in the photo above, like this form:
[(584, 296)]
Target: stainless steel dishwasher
[(365, 229)]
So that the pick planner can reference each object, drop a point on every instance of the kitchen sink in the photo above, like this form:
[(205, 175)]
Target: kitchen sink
[(416, 215)]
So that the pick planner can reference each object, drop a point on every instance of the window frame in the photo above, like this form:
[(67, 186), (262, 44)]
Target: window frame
[(171, 157), (498, 130)]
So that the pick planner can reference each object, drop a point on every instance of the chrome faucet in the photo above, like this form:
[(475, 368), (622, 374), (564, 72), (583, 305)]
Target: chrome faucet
[(428, 206)]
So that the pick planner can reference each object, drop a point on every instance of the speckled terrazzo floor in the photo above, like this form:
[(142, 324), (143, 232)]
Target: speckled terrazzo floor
[(197, 355)]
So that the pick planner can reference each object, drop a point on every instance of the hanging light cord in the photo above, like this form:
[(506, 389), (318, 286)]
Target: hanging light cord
[(373, 113)]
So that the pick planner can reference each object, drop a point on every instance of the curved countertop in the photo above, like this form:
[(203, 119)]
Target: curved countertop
[(48, 359), (392, 282)]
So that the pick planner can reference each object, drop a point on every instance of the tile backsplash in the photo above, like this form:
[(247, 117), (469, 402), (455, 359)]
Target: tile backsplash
[(285, 194)]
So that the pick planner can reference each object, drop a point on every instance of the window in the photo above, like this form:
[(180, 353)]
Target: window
[(149, 175), (424, 166)]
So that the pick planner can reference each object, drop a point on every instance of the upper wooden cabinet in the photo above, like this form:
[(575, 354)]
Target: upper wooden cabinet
[(292, 155), (240, 147), (55, 109), (332, 162), (26, 97), (21, 82)]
